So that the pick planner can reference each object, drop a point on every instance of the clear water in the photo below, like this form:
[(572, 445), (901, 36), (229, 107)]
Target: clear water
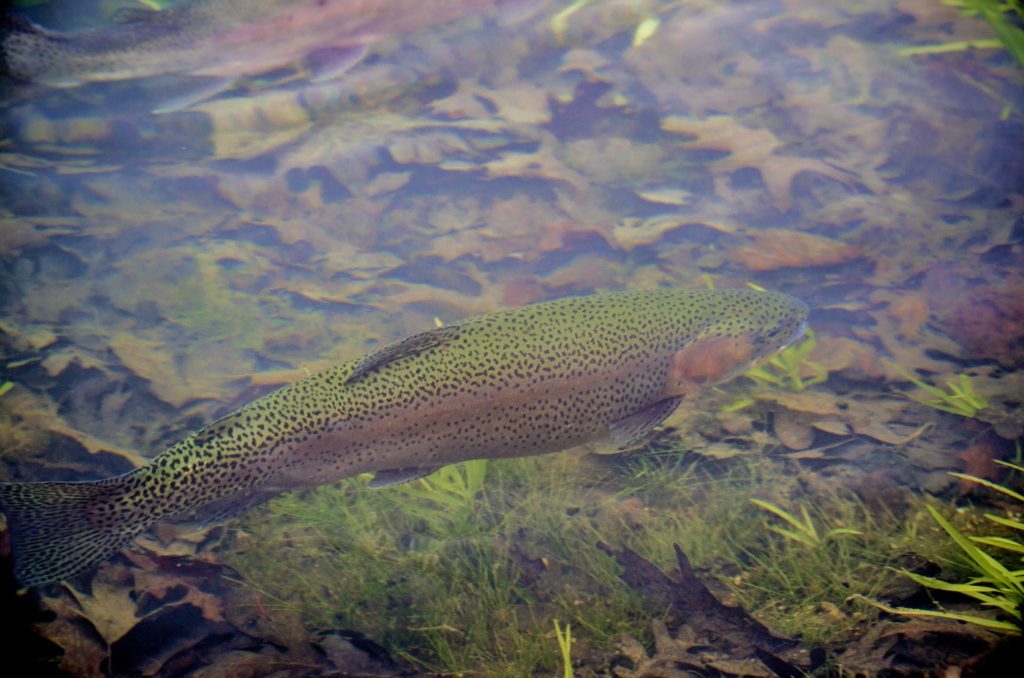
[(162, 269)]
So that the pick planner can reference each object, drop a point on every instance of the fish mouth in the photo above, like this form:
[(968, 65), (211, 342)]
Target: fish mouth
[(797, 333)]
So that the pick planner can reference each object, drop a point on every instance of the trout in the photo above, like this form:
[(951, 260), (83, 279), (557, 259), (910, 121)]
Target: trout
[(526, 381), (224, 39)]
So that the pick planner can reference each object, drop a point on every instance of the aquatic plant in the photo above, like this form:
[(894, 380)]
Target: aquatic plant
[(961, 398), (810, 582), (1005, 19), (786, 368), (996, 585), (805, 531), (204, 304), (448, 497), (564, 637), (480, 593)]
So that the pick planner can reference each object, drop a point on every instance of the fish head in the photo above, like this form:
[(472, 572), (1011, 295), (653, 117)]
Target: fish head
[(732, 331)]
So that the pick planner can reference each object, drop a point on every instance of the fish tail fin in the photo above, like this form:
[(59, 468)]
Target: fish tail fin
[(59, 529)]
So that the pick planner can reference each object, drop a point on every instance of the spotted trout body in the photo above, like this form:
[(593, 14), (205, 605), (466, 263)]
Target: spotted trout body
[(527, 381)]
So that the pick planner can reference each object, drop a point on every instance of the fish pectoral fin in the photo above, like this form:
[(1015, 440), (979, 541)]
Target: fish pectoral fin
[(394, 476), (417, 343), (330, 62), (637, 427)]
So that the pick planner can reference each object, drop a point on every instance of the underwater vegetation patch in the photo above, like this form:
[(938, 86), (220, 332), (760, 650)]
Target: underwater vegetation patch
[(997, 584), (787, 369), (958, 398), (460, 575)]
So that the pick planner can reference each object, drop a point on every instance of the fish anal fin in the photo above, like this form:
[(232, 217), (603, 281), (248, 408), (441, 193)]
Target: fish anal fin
[(637, 427), (417, 343), (394, 476), (709, 361), (330, 62)]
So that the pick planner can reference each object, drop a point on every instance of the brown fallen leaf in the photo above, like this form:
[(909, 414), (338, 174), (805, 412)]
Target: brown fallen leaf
[(883, 434), (819, 403), (589, 62), (83, 651), (18, 233), (246, 127), (464, 102), (286, 376), (979, 461), (427, 149), (108, 606), (780, 248), (913, 312), (852, 358), (35, 337), (833, 426), (910, 310), (584, 273), (792, 430), (58, 361), (158, 584), (520, 103), (523, 290), (753, 148), (539, 164), (94, 445), (631, 232)]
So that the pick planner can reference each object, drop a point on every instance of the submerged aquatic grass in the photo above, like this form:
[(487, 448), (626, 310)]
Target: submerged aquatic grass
[(1004, 17), (564, 637), (959, 398), (804, 529), (479, 590), (787, 368), (997, 583)]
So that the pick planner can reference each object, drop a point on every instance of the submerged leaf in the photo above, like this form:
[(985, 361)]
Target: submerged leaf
[(779, 248)]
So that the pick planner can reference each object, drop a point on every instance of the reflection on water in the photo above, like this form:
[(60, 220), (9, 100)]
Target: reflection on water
[(161, 269)]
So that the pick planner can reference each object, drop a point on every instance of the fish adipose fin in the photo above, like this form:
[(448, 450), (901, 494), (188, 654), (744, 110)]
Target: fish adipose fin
[(637, 427), (60, 529), (401, 475), (417, 343)]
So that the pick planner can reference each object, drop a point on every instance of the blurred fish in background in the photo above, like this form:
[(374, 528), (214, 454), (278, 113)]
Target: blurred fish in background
[(220, 42)]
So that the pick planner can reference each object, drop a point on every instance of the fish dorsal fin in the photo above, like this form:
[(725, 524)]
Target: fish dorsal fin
[(417, 343), (395, 476), (637, 427)]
